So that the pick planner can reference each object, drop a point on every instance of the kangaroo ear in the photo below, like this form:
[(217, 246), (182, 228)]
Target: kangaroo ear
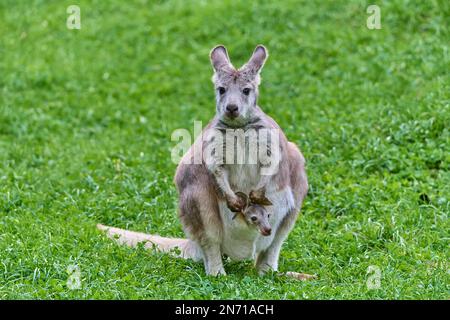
[(219, 58), (256, 62)]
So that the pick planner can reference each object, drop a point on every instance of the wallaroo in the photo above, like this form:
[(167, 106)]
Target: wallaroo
[(209, 189)]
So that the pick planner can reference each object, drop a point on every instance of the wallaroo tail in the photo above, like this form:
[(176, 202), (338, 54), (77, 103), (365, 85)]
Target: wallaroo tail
[(183, 248)]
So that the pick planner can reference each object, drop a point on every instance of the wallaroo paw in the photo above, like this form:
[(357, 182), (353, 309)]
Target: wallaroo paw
[(236, 203), (299, 276)]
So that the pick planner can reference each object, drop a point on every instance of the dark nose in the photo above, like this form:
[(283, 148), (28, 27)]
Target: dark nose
[(232, 108)]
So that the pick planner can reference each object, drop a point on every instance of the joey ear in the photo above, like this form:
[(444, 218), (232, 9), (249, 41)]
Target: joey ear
[(219, 58), (265, 202), (244, 197), (259, 197), (257, 60)]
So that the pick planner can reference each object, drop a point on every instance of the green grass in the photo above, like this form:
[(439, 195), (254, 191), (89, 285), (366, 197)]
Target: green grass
[(86, 118)]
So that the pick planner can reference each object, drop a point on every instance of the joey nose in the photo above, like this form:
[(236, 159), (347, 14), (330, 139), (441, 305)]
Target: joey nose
[(266, 231), (232, 110)]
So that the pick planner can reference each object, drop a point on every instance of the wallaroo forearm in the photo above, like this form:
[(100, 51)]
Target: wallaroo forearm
[(214, 160), (221, 176)]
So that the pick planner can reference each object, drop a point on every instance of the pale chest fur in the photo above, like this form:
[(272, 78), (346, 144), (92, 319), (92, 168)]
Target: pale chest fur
[(243, 174)]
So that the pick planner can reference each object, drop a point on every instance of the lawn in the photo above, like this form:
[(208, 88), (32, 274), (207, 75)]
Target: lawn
[(86, 118)]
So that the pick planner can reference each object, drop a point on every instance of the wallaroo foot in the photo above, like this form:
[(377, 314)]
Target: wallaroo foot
[(265, 268), (216, 272), (299, 276)]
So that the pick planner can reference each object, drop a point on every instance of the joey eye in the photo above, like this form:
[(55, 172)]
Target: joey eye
[(221, 90), (246, 91), (253, 218)]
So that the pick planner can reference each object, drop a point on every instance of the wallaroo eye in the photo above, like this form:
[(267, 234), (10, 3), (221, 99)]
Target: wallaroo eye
[(254, 218), (222, 90), (246, 91)]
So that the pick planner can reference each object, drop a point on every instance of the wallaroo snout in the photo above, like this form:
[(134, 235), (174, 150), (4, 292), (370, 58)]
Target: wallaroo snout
[(209, 189), (232, 111)]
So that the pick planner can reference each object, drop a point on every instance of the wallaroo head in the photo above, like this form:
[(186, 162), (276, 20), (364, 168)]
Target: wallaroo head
[(236, 89)]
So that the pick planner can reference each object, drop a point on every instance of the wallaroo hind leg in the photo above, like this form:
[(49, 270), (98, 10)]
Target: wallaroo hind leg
[(299, 183), (199, 214), (268, 259), (195, 215), (212, 258)]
